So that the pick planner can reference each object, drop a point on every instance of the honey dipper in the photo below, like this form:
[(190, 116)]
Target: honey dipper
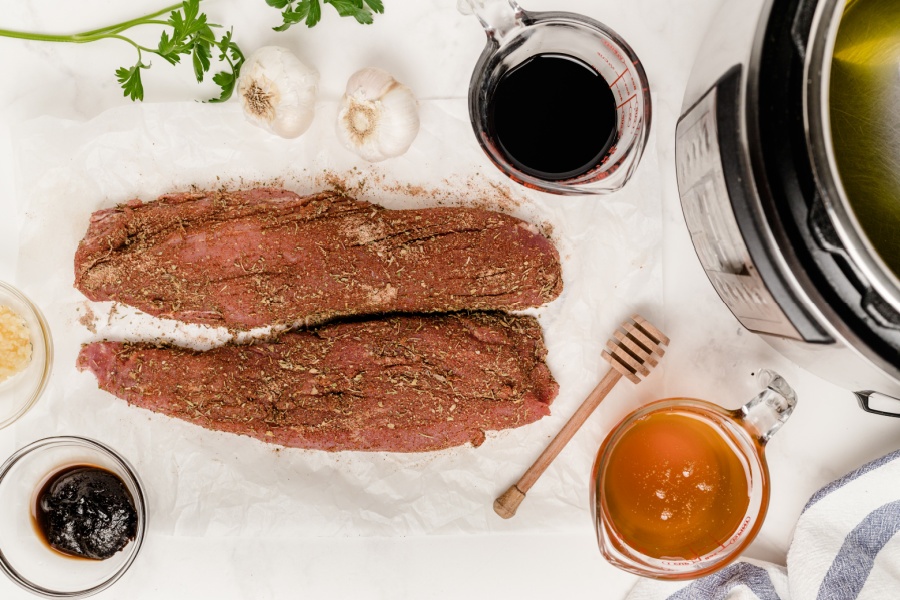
[(631, 354)]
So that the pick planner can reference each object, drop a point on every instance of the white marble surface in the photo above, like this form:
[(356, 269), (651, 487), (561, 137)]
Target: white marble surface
[(433, 48)]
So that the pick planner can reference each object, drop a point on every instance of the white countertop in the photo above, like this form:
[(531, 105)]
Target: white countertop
[(433, 48)]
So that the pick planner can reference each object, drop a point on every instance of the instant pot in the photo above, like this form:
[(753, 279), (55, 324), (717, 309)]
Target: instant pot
[(766, 209)]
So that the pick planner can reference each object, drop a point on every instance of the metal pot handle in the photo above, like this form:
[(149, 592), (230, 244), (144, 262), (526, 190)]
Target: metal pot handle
[(868, 397)]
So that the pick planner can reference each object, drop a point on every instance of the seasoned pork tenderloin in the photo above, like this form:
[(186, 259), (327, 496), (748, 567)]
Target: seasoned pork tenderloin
[(398, 384), (270, 257)]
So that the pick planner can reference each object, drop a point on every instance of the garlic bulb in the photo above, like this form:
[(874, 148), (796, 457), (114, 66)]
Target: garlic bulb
[(379, 116), (278, 92)]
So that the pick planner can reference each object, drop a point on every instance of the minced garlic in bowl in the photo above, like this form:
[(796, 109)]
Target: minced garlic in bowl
[(26, 354), (15, 343)]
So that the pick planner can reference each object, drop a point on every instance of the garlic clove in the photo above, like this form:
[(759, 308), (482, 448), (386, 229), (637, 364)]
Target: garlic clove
[(277, 91), (370, 83), (379, 116)]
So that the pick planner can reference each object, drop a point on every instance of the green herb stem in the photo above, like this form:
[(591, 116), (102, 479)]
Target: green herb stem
[(77, 38), (93, 35), (185, 33), (145, 20)]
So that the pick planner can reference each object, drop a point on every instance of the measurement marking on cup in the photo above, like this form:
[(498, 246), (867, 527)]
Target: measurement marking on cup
[(618, 78), (630, 98)]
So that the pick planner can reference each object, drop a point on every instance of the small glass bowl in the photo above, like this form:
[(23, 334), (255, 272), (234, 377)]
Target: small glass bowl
[(24, 555), (22, 390)]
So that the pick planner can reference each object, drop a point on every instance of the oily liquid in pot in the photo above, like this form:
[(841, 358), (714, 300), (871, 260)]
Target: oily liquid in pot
[(865, 119), (674, 486), (553, 117)]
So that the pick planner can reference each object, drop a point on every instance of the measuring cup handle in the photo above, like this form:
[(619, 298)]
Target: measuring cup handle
[(499, 18), (767, 412)]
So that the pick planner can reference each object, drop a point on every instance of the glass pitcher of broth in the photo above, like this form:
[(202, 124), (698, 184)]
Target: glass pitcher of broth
[(681, 486), (558, 101)]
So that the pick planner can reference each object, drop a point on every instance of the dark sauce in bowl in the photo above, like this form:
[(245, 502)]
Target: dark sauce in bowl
[(85, 511)]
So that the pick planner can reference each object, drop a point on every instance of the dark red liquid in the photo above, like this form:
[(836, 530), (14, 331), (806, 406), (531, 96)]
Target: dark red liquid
[(553, 117)]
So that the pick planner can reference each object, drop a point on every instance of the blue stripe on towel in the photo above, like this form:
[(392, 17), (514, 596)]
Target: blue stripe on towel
[(718, 585), (839, 483), (853, 562)]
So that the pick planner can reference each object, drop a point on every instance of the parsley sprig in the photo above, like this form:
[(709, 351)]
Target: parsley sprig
[(310, 11), (185, 33)]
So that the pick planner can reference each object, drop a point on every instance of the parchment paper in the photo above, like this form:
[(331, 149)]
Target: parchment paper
[(203, 483)]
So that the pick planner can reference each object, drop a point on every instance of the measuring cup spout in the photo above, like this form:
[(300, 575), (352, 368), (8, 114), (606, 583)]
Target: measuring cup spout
[(500, 18), (767, 412)]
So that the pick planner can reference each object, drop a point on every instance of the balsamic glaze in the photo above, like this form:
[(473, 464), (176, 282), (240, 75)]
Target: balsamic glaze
[(85, 511), (553, 116)]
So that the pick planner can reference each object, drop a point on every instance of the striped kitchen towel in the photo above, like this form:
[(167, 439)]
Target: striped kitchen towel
[(846, 546)]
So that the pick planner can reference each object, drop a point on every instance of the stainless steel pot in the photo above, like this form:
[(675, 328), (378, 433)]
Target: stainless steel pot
[(854, 239), (764, 203)]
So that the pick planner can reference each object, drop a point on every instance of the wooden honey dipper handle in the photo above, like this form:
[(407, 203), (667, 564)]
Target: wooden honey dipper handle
[(508, 502), (633, 351)]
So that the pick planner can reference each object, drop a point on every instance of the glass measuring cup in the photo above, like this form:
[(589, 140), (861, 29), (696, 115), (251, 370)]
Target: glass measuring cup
[(681, 486), (515, 36)]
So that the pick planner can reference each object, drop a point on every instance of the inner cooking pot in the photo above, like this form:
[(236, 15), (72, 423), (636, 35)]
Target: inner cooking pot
[(781, 204), (852, 111)]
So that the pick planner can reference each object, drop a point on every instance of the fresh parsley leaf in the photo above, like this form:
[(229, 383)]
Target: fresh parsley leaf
[(201, 61), (376, 5), (205, 34), (223, 78), (295, 15), (231, 54), (176, 20), (224, 44), (130, 80), (226, 81), (167, 47), (191, 9), (310, 11), (315, 13), (349, 8)]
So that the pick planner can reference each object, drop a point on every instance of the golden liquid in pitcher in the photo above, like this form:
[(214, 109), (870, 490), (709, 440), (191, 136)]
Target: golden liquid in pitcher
[(865, 119), (675, 487)]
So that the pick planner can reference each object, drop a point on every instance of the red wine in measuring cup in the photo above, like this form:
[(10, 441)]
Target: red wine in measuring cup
[(553, 117)]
